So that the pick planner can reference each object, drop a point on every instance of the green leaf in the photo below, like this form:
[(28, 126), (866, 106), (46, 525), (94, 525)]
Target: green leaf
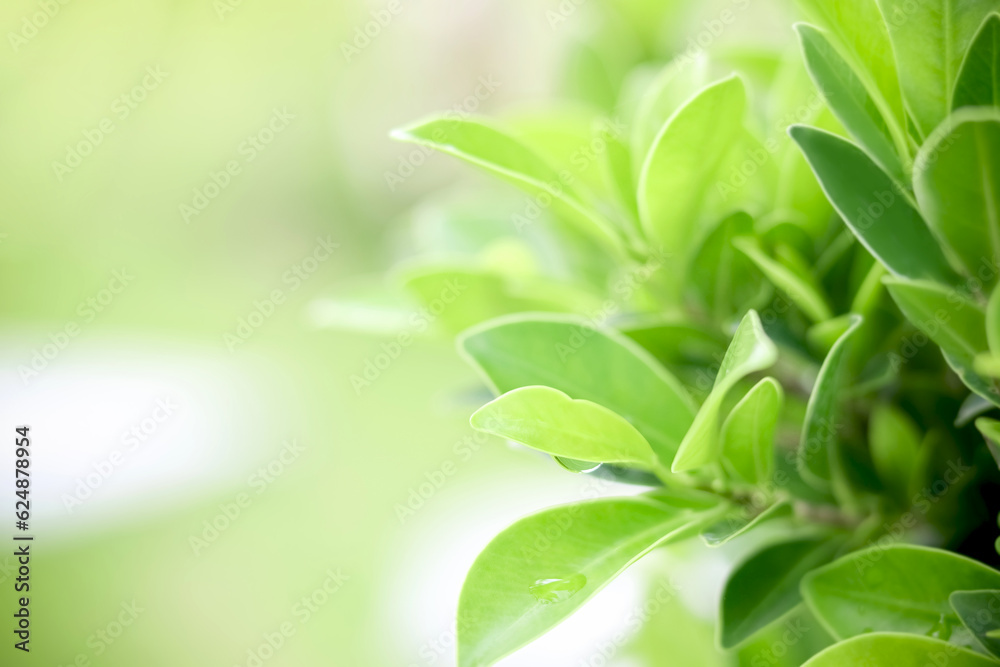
[(979, 79), (850, 101), (818, 454), (890, 649), (765, 587), (980, 613), (571, 355), (898, 588), (500, 154), (672, 87), (894, 441), (861, 32), (724, 279), (873, 207), (548, 420), (748, 433), (929, 39), (957, 183), (803, 293), (750, 351), (993, 322), (544, 567), (742, 520), (682, 162), (948, 317)]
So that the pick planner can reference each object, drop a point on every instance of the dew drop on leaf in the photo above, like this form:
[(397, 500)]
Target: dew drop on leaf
[(549, 591)]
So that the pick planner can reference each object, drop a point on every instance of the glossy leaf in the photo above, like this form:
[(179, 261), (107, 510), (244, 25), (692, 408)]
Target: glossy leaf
[(978, 82), (572, 356), (818, 451), (498, 153), (930, 39), (949, 318), (548, 420), (980, 613), (850, 100), (682, 161), (898, 588), (748, 433), (859, 28), (765, 586), (871, 204), (957, 183), (742, 520), (892, 649), (750, 351), (544, 567)]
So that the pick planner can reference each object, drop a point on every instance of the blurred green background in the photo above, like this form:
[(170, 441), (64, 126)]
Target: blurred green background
[(174, 175)]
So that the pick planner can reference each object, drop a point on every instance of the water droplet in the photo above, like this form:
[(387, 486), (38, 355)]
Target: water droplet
[(549, 591), (574, 465), (941, 629)]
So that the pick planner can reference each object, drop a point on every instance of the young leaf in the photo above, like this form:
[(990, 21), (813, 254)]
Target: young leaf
[(898, 588), (818, 451), (949, 318), (766, 586), (571, 355), (929, 39), (873, 207), (804, 294), (548, 420), (672, 87), (748, 433), (860, 29), (498, 153), (742, 520), (750, 351), (979, 79), (980, 613), (892, 649), (544, 567), (957, 183), (847, 96), (682, 162), (895, 447), (990, 430)]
